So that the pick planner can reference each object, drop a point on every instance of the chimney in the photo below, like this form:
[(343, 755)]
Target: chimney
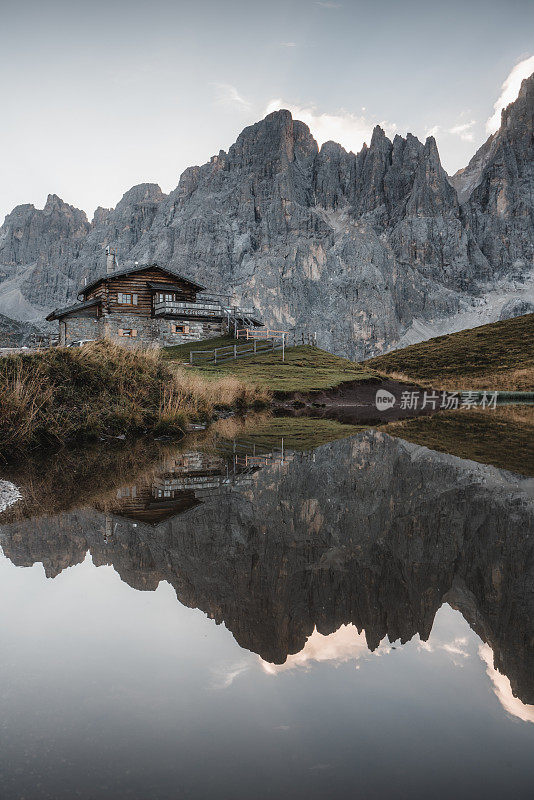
[(110, 260)]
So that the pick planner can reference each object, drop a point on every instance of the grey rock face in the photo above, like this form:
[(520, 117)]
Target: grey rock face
[(14, 333), (354, 247), (516, 307), (500, 208)]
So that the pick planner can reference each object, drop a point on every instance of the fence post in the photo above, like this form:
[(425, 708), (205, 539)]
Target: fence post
[(273, 343), (235, 351), (215, 356), (255, 345), (190, 356), (283, 347)]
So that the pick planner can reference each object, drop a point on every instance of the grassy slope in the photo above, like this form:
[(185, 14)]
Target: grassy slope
[(180, 352), (67, 394), (499, 356), (306, 369), (502, 438)]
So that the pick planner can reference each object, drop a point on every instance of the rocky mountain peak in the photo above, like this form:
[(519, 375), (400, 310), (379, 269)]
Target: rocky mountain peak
[(510, 146), (100, 216), (379, 138), (142, 193), (521, 111), (55, 203), (277, 139)]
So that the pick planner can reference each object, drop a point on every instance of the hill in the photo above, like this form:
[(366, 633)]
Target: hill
[(14, 333), (305, 369), (495, 356)]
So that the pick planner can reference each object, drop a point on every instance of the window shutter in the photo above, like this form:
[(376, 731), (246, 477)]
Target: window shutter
[(134, 299), (186, 328), (134, 333), (120, 332)]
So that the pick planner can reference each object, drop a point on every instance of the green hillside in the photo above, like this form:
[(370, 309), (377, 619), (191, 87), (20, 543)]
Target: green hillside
[(498, 356), (305, 369)]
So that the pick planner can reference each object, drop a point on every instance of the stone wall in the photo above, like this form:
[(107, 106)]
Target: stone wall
[(146, 331), (78, 328)]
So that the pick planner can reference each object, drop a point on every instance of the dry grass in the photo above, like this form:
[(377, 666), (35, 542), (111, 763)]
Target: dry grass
[(67, 394), (495, 356), (519, 380), (226, 391)]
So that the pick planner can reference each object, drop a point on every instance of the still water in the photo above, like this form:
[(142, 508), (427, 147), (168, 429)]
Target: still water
[(233, 618)]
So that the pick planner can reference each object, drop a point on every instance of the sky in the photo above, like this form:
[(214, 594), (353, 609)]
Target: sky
[(99, 96)]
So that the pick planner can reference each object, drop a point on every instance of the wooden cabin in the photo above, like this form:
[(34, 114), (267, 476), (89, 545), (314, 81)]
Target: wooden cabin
[(148, 305)]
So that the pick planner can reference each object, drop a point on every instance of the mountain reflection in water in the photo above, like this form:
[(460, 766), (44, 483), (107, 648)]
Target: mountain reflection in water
[(318, 555)]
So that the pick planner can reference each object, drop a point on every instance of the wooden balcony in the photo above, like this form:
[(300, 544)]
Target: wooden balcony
[(204, 310)]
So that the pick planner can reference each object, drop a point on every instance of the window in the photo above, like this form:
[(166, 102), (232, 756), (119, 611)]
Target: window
[(166, 298), (127, 299), (180, 328), (127, 332)]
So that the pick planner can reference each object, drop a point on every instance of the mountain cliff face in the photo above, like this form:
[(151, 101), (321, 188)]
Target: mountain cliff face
[(355, 247)]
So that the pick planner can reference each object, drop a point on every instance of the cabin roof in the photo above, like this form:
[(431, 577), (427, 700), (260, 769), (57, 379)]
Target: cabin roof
[(139, 268), (61, 312)]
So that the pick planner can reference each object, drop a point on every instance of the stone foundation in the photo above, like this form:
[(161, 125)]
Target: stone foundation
[(145, 331)]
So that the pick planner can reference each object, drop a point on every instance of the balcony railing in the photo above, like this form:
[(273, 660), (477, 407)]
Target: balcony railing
[(182, 309)]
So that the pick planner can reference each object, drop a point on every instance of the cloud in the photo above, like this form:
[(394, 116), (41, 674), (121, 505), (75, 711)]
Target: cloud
[(464, 130), (509, 91), (455, 649), (346, 644), (349, 130), (227, 95), (288, 44), (223, 677), (328, 5), (503, 688), (433, 131)]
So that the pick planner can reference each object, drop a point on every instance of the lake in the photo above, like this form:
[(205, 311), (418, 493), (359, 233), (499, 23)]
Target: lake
[(244, 615)]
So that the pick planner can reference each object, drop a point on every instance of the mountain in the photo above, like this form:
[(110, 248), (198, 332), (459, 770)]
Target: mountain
[(14, 333), (371, 250)]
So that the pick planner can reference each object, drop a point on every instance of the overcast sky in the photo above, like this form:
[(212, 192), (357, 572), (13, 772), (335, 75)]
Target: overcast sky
[(100, 95)]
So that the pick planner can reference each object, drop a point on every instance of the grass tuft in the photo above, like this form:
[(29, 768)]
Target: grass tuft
[(81, 394)]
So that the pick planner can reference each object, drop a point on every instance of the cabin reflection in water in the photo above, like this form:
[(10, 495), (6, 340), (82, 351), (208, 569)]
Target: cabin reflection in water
[(183, 480)]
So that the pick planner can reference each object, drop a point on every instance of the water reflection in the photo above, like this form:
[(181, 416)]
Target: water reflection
[(311, 556)]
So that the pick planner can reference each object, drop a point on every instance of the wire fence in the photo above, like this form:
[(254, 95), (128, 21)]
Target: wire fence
[(292, 337), (231, 352)]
